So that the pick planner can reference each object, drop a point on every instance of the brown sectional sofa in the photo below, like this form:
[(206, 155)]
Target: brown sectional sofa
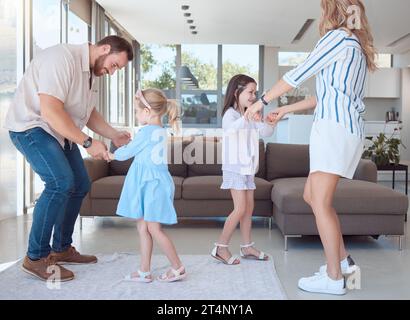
[(364, 207)]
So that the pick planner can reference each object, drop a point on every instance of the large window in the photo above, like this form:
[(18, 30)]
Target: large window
[(116, 92), (238, 59), (8, 81), (77, 29), (199, 95), (384, 60), (292, 59), (158, 68), (46, 24)]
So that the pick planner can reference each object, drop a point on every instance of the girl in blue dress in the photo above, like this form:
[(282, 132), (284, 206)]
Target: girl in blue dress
[(148, 191)]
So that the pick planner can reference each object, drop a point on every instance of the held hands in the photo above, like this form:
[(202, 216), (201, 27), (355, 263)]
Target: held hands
[(121, 138), (97, 150), (108, 156), (252, 112), (273, 117)]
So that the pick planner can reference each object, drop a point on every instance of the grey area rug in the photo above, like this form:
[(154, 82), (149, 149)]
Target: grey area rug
[(207, 279)]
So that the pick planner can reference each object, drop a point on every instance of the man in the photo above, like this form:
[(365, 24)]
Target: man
[(54, 101)]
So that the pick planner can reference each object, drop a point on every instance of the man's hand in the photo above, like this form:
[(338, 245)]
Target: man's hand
[(121, 138), (97, 150)]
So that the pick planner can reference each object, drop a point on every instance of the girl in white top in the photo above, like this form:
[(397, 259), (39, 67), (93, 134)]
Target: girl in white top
[(340, 62), (240, 161)]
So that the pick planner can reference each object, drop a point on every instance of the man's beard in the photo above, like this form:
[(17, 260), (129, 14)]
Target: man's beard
[(99, 69)]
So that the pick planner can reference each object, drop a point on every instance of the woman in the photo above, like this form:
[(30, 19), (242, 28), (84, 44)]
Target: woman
[(340, 61)]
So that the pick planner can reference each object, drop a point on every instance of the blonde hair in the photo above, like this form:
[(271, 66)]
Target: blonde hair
[(161, 105), (336, 15)]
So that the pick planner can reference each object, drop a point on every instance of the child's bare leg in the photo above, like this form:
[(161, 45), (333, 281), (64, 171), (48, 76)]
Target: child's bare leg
[(239, 201), (246, 224), (155, 229), (145, 247)]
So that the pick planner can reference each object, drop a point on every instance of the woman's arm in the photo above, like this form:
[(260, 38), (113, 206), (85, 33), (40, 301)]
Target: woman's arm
[(328, 50), (279, 89), (279, 113)]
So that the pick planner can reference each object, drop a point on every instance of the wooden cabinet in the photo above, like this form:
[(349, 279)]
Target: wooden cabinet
[(384, 83)]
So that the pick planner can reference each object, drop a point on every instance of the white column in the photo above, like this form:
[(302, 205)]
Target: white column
[(405, 134), (270, 77)]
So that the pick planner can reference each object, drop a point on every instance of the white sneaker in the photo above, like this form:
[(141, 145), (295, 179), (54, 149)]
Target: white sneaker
[(321, 283), (347, 266)]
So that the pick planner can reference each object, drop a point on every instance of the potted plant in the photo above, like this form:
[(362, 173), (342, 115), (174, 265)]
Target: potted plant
[(384, 150)]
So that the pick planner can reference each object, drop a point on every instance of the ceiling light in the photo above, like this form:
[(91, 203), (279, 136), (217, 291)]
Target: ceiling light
[(192, 27), (194, 32), (187, 14), (190, 21), (184, 7)]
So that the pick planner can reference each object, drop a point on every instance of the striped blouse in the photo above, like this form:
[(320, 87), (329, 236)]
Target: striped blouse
[(341, 69)]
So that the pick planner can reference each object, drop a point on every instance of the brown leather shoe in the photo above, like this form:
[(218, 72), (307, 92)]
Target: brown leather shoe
[(72, 256), (47, 269)]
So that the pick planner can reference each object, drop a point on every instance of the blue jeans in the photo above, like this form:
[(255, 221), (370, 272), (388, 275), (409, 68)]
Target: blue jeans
[(66, 185)]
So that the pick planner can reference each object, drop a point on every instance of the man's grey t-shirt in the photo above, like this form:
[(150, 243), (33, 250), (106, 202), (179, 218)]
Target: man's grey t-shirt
[(62, 71)]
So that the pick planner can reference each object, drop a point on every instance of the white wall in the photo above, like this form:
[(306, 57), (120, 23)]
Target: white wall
[(402, 60), (376, 108), (406, 113), (270, 77)]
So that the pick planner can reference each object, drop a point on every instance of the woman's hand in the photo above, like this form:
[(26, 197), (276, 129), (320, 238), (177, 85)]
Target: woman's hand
[(273, 117), (257, 117), (251, 112)]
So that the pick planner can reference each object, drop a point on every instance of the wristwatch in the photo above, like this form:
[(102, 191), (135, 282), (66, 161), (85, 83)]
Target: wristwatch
[(265, 103), (87, 143)]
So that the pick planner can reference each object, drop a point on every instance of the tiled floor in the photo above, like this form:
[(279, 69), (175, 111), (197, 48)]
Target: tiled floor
[(385, 269)]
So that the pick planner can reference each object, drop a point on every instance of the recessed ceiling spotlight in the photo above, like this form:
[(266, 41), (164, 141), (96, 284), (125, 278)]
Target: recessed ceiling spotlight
[(192, 27), (184, 7), (194, 32), (190, 21), (187, 14)]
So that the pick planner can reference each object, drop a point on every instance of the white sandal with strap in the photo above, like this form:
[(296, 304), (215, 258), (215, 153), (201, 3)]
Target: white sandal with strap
[(262, 255), (230, 261), (179, 274), (142, 277)]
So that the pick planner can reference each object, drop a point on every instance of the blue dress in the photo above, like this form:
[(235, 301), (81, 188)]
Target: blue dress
[(148, 191)]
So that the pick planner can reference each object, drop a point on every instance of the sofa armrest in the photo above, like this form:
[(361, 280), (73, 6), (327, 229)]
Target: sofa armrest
[(96, 169), (366, 171)]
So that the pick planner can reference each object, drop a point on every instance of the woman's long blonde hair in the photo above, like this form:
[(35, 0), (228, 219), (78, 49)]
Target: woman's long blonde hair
[(161, 106), (336, 15)]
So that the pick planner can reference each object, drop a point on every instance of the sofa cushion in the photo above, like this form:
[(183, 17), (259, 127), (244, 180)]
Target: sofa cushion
[(352, 197), (176, 165), (208, 188), (206, 158), (286, 161), (111, 187)]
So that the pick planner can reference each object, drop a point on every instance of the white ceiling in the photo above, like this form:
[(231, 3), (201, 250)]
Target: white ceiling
[(268, 22)]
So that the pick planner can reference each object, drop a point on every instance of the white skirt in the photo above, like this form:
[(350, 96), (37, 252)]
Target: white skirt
[(237, 181), (333, 149)]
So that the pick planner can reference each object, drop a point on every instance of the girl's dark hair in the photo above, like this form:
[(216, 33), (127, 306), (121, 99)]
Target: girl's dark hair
[(118, 45), (236, 86)]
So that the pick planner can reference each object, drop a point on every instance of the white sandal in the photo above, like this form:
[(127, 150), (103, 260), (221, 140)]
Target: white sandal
[(142, 277), (215, 255), (178, 275), (262, 255)]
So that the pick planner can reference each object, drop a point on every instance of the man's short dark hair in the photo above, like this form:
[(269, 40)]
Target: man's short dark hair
[(118, 45)]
